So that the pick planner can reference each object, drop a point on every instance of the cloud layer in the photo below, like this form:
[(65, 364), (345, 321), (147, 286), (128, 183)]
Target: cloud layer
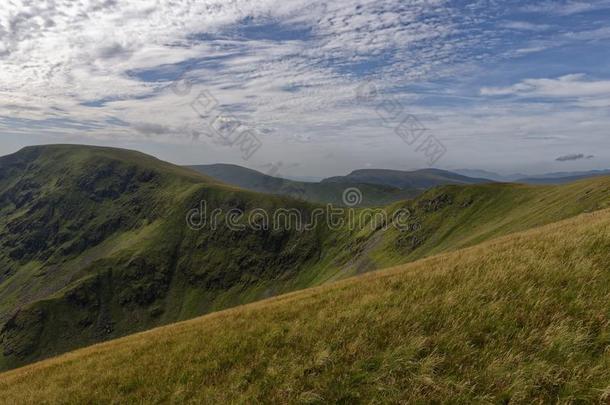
[(104, 70)]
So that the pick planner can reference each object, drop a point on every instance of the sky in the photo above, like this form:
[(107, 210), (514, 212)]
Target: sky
[(307, 88)]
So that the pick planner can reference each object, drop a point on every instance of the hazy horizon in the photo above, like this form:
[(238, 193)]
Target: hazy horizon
[(278, 169)]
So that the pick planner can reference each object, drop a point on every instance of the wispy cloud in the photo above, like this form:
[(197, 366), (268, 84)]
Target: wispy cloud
[(292, 68), (567, 7), (525, 26), (571, 86)]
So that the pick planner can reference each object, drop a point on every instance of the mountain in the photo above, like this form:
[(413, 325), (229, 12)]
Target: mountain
[(546, 178), (486, 174), (97, 243), (418, 179), (520, 319), (322, 193), (94, 245), (562, 177), (305, 179)]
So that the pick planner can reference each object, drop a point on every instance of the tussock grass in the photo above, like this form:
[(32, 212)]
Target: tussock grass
[(521, 319)]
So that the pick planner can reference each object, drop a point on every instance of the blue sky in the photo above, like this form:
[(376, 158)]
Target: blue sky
[(501, 85)]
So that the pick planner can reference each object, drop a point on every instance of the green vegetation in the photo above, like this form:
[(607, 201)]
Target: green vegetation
[(94, 243), (520, 319), (453, 217)]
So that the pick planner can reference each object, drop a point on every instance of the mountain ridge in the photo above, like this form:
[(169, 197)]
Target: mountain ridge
[(418, 179), (94, 243), (377, 186), (315, 192), (541, 178)]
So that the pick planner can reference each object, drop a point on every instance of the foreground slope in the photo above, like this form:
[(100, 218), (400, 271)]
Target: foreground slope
[(523, 318)]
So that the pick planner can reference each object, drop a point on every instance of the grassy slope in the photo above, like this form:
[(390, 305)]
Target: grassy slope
[(149, 269), (523, 318), (142, 268), (63, 207), (452, 217), (68, 207)]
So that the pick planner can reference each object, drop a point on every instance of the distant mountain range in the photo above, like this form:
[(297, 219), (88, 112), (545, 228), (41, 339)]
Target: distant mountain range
[(378, 187), (417, 179), (546, 178), (331, 193), (490, 175)]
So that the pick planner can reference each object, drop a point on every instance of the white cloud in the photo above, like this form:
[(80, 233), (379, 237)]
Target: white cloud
[(60, 55), (598, 34), (83, 62), (567, 8), (568, 86), (525, 26)]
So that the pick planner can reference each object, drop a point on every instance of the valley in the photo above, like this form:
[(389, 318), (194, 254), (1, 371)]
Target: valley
[(103, 249)]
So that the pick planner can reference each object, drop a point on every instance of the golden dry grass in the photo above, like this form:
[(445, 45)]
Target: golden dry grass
[(521, 319)]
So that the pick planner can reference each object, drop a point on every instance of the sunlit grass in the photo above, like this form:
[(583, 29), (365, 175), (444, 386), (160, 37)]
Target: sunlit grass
[(523, 318)]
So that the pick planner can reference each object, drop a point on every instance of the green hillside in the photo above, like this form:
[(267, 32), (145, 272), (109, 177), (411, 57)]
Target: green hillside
[(321, 193), (94, 243), (520, 319), (452, 217)]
